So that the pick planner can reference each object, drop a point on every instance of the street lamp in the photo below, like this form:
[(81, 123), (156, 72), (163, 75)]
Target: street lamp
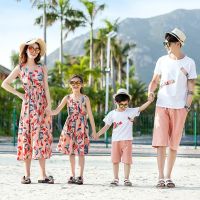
[(107, 70), (127, 71)]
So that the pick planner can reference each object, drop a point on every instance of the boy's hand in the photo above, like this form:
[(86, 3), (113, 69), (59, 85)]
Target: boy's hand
[(131, 119)]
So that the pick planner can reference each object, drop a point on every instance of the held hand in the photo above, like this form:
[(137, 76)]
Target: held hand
[(151, 98), (95, 136)]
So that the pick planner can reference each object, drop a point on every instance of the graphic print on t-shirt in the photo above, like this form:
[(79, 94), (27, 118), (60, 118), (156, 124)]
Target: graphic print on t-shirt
[(116, 124)]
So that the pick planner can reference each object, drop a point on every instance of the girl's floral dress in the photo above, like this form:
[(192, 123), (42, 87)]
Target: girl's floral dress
[(74, 139), (35, 127)]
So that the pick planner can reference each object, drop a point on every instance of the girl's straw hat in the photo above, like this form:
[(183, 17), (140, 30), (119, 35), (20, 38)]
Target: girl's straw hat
[(37, 40)]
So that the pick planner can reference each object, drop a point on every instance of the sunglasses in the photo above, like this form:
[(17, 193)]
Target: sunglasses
[(167, 43), (32, 49), (73, 83), (121, 105)]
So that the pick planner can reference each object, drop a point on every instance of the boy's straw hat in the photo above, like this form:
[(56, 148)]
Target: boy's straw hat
[(122, 91)]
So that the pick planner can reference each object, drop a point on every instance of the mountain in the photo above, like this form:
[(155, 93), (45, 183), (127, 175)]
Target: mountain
[(148, 35)]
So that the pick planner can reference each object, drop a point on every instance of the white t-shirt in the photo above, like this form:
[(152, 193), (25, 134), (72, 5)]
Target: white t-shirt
[(122, 126), (173, 84)]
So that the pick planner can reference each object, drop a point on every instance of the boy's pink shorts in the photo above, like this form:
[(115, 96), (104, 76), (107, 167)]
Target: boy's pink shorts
[(122, 151), (168, 127)]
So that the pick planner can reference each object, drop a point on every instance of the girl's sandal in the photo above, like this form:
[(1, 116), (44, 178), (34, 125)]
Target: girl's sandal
[(49, 180), (115, 182), (25, 180), (169, 183), (161, 183)]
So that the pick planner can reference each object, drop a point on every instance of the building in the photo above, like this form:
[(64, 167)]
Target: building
[(4, 72)]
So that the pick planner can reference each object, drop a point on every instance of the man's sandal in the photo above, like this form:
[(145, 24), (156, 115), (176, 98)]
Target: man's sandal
[(161, 183), (127, 183), (169, 183), (25, 180), (115, 182), (49, 180)]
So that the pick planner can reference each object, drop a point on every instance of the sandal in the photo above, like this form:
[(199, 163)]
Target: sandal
[(169, 183), (115, 182), (79, 180), (71, 180), (25, 180), (127, 182), (49, 180), (161, 183)]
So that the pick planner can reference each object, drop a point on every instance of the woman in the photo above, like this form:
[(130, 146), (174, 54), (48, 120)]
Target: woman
[(35, 126)]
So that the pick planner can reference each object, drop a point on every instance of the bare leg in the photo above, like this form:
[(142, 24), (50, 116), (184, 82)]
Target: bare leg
[(81, 164), (116, 170), (161, 156), (42, 163), (127, 168), (27, 164), (72, 163), (170, 162)]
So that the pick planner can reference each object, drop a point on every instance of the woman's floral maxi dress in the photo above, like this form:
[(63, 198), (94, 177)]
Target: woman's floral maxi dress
[(35, 127), (74, 139)]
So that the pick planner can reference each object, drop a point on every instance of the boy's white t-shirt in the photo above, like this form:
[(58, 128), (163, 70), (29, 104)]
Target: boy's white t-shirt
[(173, 95), (122, 126)]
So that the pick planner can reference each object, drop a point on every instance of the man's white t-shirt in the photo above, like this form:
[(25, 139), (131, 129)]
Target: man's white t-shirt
[(122, 126), (173, 84)]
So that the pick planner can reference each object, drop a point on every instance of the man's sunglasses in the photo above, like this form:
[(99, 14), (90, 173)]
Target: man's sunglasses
[(32, 49)]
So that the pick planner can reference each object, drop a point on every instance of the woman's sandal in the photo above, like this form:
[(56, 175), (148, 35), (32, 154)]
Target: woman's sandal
[(49, 180), (25, 180), (79, 180), (161, 183), (169, 183), (71, 180), (115, 182), (127, 183)]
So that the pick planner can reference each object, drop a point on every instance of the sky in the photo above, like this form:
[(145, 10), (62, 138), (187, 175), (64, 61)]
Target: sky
[(17, 20)]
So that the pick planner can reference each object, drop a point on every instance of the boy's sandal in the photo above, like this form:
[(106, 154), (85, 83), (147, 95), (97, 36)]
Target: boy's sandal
[(71, 180), (49, 180), (169, 183), (127, 183), (115, 182), (25, 180), (161, 183), (79, 180)]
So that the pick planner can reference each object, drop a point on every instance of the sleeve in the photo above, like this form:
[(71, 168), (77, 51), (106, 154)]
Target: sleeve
[(157, 69), (108, 119), (134, 112), (192, 72)]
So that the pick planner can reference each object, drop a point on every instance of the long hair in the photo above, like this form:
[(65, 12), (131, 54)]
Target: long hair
[(24, 57), (81, 80)]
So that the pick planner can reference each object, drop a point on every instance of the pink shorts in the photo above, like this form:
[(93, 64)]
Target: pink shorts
[(168, 127), (122, 151)]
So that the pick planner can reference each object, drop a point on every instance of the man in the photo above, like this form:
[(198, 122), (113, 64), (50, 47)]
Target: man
[(175, 73)]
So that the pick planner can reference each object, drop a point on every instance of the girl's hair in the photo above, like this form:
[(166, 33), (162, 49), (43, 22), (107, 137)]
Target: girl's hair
[(122, 97), (24, 57), (81, 80)]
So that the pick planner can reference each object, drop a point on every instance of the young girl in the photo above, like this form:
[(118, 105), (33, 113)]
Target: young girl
[(74, 139)]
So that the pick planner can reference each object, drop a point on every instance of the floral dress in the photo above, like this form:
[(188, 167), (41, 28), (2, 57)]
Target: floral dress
[(35, 127), (74, 139)]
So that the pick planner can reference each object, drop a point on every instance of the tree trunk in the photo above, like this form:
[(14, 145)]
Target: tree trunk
[(101, 64), (91, 53), (119, 74), (44, 29)]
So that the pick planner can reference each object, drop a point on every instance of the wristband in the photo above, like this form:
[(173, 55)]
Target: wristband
[(188, 108)]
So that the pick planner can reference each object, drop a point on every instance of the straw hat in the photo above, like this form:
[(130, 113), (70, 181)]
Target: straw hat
[(122, 91), (39, 41), (178, 34)]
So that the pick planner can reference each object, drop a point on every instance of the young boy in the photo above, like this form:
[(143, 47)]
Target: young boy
[(122, 119)]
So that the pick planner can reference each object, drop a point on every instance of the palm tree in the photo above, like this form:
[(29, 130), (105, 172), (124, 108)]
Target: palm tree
[(92, 9), (43, 4)]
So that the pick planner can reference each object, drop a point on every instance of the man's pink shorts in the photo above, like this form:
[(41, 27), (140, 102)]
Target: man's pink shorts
[(122, 151), (168, 127)]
